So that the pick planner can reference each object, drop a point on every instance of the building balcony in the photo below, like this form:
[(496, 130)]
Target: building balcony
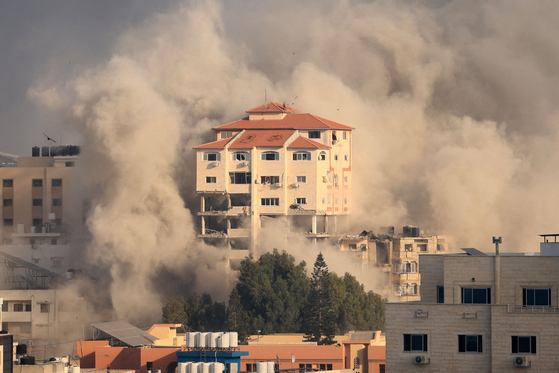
[(238, 233), (16, 316), (232, 211)]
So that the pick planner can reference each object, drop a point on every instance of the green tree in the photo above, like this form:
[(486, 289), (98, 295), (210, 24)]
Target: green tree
[(237, 319), (273, 291), (174, 313), (320, 315)]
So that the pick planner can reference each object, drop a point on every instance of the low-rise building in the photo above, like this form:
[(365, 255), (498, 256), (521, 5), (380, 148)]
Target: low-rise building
[(479, 312)]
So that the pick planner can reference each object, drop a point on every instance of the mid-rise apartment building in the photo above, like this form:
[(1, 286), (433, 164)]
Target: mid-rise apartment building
[(396, 256), (479, 312), (275, 166), (37, 206)]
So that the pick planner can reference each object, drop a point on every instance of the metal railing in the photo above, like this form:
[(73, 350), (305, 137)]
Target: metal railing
[(514, 308)]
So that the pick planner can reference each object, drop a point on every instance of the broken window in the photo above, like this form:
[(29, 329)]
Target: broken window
[(240, 177), (353, 246), (408, 247), (265, 180), (322, 156), (240, 156)]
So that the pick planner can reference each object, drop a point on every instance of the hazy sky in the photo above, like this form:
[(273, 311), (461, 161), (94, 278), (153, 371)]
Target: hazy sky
[(455, 105)]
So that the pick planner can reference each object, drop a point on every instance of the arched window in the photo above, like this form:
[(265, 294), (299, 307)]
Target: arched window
[(322, 156), (240, 156), (211, 157), (270, 156), (302, 156)]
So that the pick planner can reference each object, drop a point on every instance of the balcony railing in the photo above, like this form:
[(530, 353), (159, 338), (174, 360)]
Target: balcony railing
[(513, 308)]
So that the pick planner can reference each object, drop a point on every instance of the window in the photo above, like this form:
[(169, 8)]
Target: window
[(45, 308), (422, 247), (382, 368), (301, 179), (314, 134), (322, 156), (8, 222), (301, 156), (265, 180), (523, 344), (8, 202), (476, 295), (415, 342), (356, 363), (8, 183), (56, 262), (323, 200), (270, 156), (225, 134), (334, 137), (209, 180), (328, 366), (344, 135), (345, 157), (336, 157), (440, 294), (345, 179), (536, 297), (57, 202), (322, 366), (240, 177), (211, 157), (18, 307), (251, 367), (37, 202), (346, 201), (58, 222), (470, 343), (269, 201), (37, 222), (301, 201), (352, 246), (5, 307), (408, 247), (413, 267), (70, 164), (240, 156), (56, 182), (37, 182)]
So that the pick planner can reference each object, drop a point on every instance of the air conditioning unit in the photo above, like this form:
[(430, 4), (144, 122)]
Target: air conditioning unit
[(295, 185), (421, 360), (215, 164), (277, 185), (521, 361)]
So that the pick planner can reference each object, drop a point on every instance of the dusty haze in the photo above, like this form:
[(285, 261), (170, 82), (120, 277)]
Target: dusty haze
[(454, 105)]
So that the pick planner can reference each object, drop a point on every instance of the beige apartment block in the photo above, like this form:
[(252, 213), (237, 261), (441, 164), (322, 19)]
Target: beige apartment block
[(479, 312), (396, 256), (276, 169)]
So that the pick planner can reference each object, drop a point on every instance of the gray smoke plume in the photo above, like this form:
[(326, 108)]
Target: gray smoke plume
[(454, 105)]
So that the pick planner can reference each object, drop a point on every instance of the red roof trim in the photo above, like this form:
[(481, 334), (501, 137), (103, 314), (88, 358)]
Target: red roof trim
[(272, 107), (219, 144), (304, 143)]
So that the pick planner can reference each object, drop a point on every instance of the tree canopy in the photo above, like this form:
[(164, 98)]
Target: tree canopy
[(274, 295)]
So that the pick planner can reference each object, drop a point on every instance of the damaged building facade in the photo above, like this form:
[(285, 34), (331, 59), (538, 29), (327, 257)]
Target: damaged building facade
[(275, 169), (395, 255)]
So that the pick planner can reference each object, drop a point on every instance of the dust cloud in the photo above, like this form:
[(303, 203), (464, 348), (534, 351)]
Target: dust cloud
[(454, 105)]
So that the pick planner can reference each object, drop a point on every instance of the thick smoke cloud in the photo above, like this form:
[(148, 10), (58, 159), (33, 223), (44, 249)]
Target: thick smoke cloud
[(454, 107)]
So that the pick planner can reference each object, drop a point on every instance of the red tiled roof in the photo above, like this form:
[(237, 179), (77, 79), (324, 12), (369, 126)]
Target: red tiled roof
[(290, 121), (304, 143), (219, 144), (272, 107), (250, 139)]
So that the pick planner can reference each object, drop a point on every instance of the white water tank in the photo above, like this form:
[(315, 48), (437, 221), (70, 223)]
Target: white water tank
[(194, 367), (191, 339), (181, 368), (233, 339), (262, 367), (212, 340), (270, 367), (204, 368), (217, 368), (188, 367), (223, 340), (201, 339)]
